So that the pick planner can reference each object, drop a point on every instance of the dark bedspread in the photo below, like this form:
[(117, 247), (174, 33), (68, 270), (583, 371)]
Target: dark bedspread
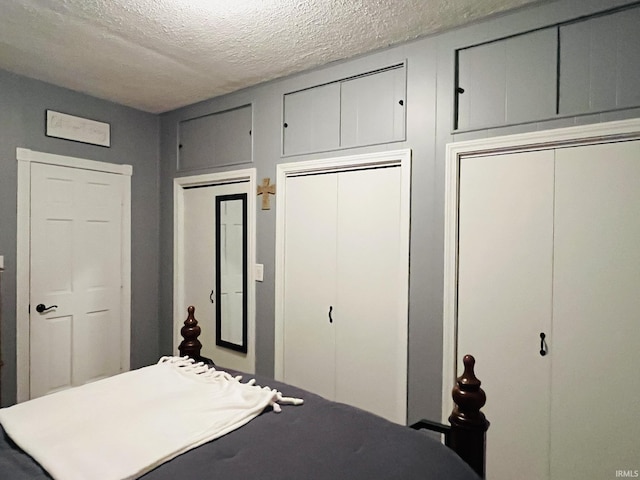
[(318, 440)]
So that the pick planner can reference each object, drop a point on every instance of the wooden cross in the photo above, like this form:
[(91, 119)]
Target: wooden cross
[(265, 190)]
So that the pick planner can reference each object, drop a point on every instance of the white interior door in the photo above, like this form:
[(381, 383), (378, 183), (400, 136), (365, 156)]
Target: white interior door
[(76, 272), (504, 301), (595, 414), (199, 267)]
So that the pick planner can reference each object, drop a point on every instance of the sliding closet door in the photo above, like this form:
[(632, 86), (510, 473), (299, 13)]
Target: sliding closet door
[(371, 329), (309, 282), (595, 414), (504, 301)]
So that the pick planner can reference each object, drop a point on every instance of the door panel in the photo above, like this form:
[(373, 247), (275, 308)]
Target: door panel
[(372, 108), (312, 119), (370, 327), (504, 301), (76, 264), (596, 305), (309, 283)]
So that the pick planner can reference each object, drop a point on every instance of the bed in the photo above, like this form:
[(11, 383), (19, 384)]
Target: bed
[(317, 440)]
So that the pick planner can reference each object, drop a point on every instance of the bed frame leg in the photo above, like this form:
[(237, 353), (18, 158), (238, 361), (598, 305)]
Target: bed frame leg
[(468, 424), (190, 345)]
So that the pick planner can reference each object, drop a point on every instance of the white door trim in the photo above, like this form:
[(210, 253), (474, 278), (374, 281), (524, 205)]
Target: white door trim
[(24, 158), (335, 164), (179, 308), (562, 137)]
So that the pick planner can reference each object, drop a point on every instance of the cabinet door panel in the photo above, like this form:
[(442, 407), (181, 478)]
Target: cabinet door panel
[(595, 413), (371, 327), (312, 119), (504, 301), (508, 81), (600, 63), (372, 108), (310, 283)]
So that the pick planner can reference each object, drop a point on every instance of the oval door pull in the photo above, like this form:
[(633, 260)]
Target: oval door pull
[(40, 308), (543, 345), (330, 310)]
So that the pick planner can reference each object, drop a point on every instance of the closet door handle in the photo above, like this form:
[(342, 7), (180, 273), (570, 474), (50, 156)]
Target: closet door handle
[(543, 345), (330, 310)]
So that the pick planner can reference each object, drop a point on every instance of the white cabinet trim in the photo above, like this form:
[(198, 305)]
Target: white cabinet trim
[(572, 136)]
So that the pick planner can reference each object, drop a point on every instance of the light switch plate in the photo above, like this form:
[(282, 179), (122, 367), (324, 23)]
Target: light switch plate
[(259, 272)]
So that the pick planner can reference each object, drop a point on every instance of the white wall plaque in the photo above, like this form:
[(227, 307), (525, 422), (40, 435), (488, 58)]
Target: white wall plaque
[(69, 127)]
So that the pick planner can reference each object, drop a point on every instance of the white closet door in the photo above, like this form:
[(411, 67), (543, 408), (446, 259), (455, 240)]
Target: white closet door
[(595, 413), (504, 302), (309, 282), (371, 329), (344, 254)]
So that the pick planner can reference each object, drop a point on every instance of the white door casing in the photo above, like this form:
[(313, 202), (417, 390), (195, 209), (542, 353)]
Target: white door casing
[(194, 242), (312, 227), (93, 315)]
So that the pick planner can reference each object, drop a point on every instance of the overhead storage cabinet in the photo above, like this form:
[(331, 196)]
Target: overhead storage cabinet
[(215, 140), (362, 110)]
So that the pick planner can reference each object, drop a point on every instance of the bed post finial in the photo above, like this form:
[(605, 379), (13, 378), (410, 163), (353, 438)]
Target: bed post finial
[(468, 423), (190, 346)]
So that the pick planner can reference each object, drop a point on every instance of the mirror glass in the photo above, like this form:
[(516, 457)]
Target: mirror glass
[(231, 271)]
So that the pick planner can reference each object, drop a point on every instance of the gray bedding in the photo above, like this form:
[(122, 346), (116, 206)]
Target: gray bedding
[(318, 440)]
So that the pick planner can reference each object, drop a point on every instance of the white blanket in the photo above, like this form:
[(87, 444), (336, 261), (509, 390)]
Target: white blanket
[(124, 426)]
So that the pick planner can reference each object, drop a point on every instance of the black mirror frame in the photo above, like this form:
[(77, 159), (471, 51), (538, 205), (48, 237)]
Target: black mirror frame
[(219, 341)]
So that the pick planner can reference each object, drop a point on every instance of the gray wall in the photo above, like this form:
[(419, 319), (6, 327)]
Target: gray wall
[(430, 119), (134, 141)]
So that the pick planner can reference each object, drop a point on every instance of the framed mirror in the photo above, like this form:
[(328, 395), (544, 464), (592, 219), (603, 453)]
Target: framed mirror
[(231, 271)]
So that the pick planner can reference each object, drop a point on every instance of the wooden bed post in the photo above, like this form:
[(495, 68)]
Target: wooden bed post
[(190, 345), (467, 436)]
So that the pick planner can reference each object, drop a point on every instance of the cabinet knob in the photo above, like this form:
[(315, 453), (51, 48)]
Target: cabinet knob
[(286, 124)]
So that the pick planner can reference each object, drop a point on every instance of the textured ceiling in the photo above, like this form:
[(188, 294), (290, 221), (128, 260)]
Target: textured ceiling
[(157, 55)]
